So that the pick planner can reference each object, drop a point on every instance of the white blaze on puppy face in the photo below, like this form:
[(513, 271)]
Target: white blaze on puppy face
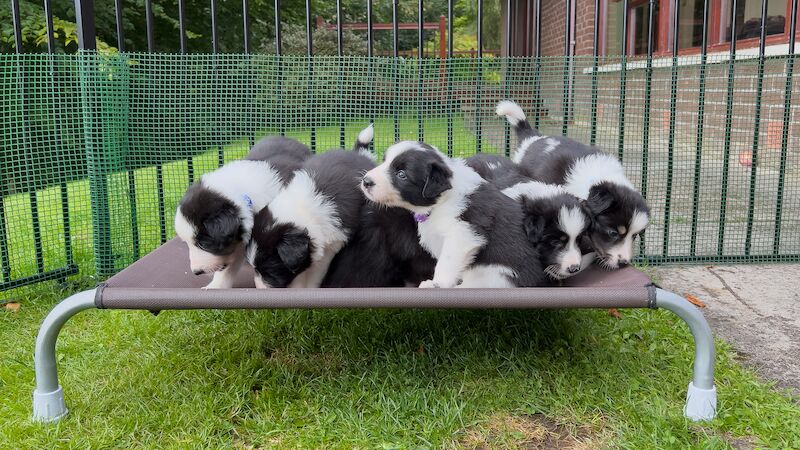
[(201, 261), (383, 191), (572, 222), (624, 250)]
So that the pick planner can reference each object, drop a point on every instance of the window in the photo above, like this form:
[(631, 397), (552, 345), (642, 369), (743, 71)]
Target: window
[(747, 18)]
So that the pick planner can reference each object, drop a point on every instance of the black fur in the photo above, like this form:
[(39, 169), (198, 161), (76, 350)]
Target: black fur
[(384, 251), (500, 220), (215, 218), (498, 170), (284, 154), (420, 177), (336, 174), (284, 250)]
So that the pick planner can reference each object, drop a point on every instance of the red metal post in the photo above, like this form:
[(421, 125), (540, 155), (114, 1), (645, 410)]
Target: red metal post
[(443, 37)]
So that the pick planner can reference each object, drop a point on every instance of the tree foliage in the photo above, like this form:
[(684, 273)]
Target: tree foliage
[(230, 25)]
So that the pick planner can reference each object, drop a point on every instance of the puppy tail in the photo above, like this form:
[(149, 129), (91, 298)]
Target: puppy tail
[(516, 117), (365, 136)]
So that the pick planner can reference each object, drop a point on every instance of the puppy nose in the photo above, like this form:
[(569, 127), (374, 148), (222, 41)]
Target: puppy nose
[(574, 268), (367, 182), (198, 271), (623, 261)]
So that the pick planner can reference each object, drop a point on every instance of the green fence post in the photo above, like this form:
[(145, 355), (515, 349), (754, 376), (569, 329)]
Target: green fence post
[(99, 78)]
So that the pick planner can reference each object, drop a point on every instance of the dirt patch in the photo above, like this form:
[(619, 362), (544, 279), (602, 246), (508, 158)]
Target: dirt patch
[(530, 432)]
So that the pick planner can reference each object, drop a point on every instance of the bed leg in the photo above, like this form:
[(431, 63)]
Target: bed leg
[(701, 399), (48, 398)]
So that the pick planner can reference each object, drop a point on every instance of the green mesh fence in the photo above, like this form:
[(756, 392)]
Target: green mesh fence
[(98, 149)]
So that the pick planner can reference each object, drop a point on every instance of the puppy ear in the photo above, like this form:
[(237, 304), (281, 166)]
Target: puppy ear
[(587, 211), (438, 180), (600, 199), (293, 249), (224, 223), (534, 227)]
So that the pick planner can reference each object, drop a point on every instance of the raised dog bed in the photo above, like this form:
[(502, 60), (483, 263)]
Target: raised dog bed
[(161, 280)]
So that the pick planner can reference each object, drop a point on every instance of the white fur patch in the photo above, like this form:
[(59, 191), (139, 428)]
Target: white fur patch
[(302, 205), (488, 276), (523, 147), (533, 190), (511, 111), (183, 228), (571, 221), (365, 136), (493, 165), (550, 145), (594, 169)]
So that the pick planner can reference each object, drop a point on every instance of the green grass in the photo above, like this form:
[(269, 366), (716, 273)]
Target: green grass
[(399, 379), (366, 379)]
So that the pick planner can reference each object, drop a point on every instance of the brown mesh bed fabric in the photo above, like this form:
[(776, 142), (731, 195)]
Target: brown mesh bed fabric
[(162, 280)]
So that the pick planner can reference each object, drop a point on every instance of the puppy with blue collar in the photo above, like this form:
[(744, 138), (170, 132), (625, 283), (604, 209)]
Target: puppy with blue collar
[(215, 216), (469, 226)]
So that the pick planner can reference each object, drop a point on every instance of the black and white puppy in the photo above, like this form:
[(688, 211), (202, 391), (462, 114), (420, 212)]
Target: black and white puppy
[(383, 252), (619, 212), (556, 223), (474, 231), (215, 215), (297, 235)]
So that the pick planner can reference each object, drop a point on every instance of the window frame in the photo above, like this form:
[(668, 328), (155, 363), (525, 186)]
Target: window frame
[(663, 42)]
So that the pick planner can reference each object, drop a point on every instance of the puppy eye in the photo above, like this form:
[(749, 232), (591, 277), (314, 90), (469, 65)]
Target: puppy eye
[(612, 233), (564, 238), (401, 174)]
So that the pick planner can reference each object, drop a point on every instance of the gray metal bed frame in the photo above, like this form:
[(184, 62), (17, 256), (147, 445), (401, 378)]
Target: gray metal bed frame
[(159, 281)]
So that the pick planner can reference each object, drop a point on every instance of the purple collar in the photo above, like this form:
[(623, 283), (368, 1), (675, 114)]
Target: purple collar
[(421, 217)]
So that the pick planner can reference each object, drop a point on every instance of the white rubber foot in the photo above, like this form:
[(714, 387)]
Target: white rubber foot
[(701, 404), (50, 406)]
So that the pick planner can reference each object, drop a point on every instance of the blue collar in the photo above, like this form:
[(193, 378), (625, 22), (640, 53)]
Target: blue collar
[(421, 217), (247, 200)]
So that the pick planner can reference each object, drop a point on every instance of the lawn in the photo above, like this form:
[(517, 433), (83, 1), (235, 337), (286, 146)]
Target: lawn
[(371, 378)]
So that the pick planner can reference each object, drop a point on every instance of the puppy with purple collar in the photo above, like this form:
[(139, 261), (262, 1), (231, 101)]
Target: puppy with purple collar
[(469, 226)]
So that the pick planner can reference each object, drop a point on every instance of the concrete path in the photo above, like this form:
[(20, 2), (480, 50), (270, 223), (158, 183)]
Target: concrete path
[(756, 308)]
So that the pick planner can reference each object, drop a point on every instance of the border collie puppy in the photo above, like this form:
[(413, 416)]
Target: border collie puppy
[(383, 252), (556, 223), (497, 169), (474, 231), (215, 216), (619, 212), (297, 235)]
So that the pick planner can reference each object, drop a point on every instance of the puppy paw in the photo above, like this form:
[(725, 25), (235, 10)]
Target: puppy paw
[(217, 285), (428, 284)]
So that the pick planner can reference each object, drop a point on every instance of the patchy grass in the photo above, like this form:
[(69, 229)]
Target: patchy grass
[(366, 378), (378, 378)]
